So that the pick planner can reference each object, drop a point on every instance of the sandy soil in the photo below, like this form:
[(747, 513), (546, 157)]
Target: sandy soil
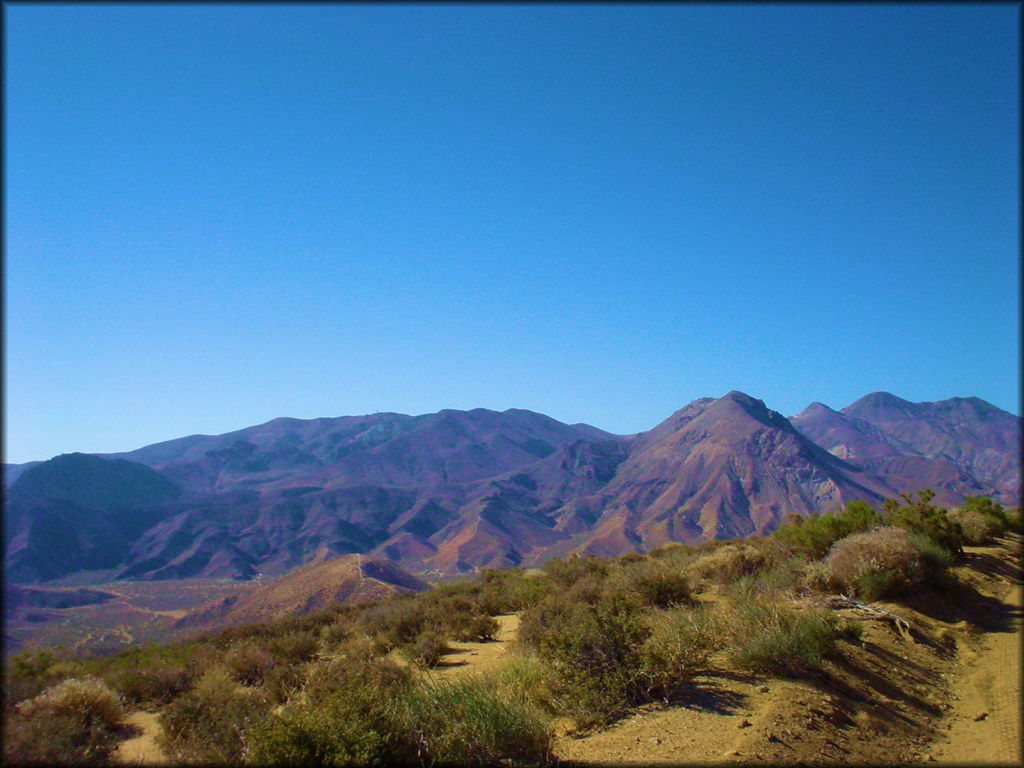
[(474, 658), (141, 749), (985, 722)]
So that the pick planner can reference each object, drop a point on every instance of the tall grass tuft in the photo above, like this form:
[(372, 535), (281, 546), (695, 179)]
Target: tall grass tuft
[(468, 722)]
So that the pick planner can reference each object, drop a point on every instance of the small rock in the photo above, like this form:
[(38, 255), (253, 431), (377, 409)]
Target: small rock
[(731, 753), (930, 758), (762, 688), (655, 739), (980, 716), (744, 723)]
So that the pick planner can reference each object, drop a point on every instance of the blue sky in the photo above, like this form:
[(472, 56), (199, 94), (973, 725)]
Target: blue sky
[(217, 215)]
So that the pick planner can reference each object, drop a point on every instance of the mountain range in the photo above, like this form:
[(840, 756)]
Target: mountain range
[(453, 491)]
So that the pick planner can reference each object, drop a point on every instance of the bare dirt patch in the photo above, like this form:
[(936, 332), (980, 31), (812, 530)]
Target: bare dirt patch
[(142, 748), (475, 658)]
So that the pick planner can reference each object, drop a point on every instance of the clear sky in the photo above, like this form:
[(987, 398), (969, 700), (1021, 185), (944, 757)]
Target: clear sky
[(217, 215)]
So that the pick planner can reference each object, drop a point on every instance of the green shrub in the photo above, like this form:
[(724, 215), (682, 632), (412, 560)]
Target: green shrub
[(814, 534), (775, 636), (656, 584), (526, 678), (426, 650), (875, 564), (477, 629), (593, 644), (977, 527), (346, 728), (153, 685), (920, 516), (211, 722), (249, 662), (89, 698), (468, 722), (678, 645), (566, 572)]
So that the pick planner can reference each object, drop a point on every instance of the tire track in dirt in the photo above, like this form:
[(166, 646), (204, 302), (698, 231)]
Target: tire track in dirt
[(989, 689)]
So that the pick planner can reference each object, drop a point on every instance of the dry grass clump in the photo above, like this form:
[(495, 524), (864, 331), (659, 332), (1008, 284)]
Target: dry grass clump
[(87, 697), (727, 563), (469, 722), (211, 722), (74, 721), (774, 635), (875, 563), (677, 646)]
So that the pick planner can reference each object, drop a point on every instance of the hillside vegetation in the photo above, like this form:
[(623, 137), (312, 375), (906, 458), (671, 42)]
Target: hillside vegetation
[(599, 640)]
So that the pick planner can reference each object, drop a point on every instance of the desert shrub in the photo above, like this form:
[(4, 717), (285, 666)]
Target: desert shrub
[(525, 677), (594, 648), (774, 636), (1014, 518), (153, 685), (814, 534), (426, 649), (249, 662), (89, 698), (875, 564), (396, 622), (977, 527), (678, 645), (565, 572), (815, 576), (478, 629), (656, 584), (348, 713), (468, 722), (851, 629), (920, 516), (727, 563), (211, 722), (357, 667), (346, 728), (294, 647), (75, 721), (334, 634)]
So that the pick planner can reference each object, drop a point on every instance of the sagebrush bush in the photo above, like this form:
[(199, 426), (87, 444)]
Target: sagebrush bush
[(525, 677), (594, 648), (345, 728), (677, 646), (74, 721), (727, 563), (249, 662), (153, 685), (920, 516), (211, 722), (977, 527), (89, 698), (814, 534), (875, 564), (426, 650), (656, 584)]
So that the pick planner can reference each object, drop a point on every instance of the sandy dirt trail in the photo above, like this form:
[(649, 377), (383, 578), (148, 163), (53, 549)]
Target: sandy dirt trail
[(474, 658), (985, 724), (141, 749)]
